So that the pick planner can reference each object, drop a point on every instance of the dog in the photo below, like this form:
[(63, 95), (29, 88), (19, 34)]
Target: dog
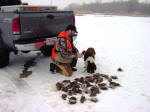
[(89, 60)]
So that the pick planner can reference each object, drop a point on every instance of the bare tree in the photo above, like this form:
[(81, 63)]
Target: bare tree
[(119, 6)]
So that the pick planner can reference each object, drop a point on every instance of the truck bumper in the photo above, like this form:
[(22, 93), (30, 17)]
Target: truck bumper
[(28, 47), (35, 46)]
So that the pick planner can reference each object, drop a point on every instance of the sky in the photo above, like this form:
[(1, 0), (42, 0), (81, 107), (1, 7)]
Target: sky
[(63, 3)]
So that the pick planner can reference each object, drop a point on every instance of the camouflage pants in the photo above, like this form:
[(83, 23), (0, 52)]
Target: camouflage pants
[(64, 70)]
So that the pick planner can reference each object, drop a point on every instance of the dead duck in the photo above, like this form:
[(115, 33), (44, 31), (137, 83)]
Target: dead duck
[(94, 91), (82, 99), (120, 69), (94, 100), (64, 96), (113, 77), (72, 100)]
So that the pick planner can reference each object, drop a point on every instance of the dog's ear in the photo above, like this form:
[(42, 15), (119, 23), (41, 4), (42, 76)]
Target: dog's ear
[(93, 51), (85, 56), (83, 52)]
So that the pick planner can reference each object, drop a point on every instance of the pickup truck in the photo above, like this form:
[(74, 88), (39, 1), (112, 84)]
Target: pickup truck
[(28, 28)]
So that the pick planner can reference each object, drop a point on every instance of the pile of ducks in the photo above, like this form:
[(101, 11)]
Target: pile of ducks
[(90, 85)]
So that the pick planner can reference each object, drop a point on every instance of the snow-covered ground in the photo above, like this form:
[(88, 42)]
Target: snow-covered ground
[(119, 41)]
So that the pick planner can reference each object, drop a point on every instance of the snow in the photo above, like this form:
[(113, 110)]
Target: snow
[(119, 41)]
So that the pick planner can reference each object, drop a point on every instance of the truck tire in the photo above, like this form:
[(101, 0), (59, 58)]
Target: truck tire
[(4, 57), (47, 50)]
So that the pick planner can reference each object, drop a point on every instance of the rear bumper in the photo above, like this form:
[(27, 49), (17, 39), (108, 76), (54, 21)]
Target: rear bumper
[(27, 47), (35, 46)]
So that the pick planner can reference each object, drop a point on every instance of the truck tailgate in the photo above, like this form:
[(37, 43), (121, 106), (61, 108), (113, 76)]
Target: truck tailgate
[(44, 24)]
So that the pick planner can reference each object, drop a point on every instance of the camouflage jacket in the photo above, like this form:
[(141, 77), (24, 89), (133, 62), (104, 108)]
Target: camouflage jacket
[(62, 47)]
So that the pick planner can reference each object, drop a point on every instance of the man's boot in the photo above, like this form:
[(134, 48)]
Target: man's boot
[(52, 67), (73, 64), (74, 69)]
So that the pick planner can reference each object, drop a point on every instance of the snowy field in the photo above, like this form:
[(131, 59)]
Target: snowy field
[(119, 41)]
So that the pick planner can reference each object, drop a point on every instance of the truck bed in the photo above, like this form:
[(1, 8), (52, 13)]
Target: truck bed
[(34, 22), (44, 24)]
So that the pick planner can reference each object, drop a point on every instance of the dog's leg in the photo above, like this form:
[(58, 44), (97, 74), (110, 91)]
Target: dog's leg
[(85, 64)]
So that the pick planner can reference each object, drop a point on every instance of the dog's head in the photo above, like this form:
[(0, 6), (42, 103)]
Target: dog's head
[(89, 52)]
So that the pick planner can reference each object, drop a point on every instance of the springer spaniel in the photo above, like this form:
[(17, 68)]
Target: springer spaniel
[(89, 60)]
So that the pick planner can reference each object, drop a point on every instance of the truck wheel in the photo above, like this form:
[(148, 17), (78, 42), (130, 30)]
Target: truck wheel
[(4, 57), (47, 50)]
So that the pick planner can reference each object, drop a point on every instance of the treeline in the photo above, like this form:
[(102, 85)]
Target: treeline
[(131, 6)]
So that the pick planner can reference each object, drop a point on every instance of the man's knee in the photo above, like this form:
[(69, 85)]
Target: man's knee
[(64, 70)]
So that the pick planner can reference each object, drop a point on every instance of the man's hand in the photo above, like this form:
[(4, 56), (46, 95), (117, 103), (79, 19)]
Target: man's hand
[(79, 55)]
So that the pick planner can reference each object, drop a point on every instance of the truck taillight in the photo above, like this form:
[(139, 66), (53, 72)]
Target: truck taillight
[(74, 22), (16, 28)]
